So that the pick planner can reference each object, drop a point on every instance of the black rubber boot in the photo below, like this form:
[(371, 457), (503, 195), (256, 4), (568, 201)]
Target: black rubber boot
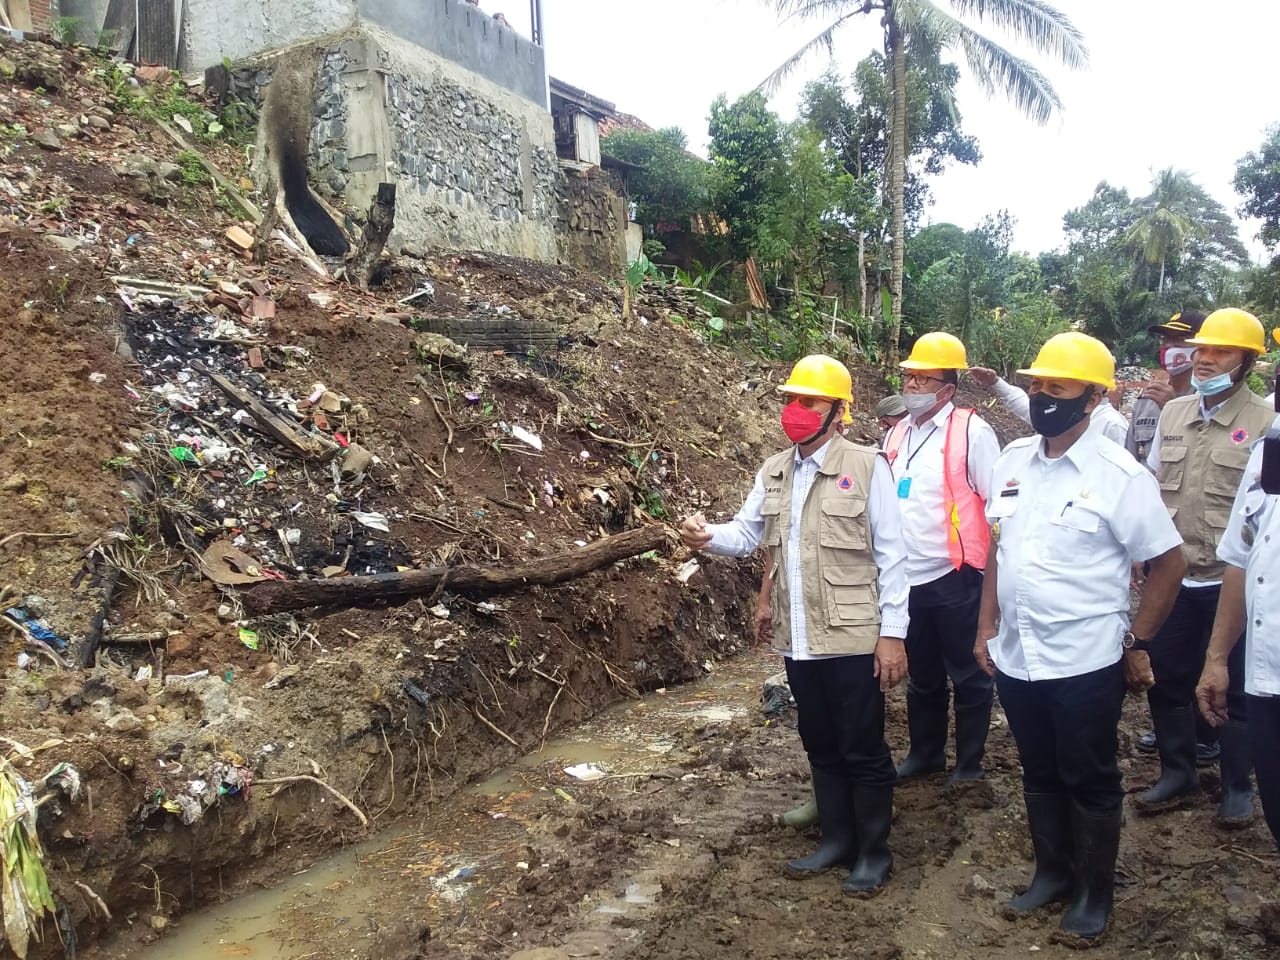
[(1049, 817), (1095, 839), (927, 727), (1235, 808), (873, 816), (972, 724), (1179, 783), (839, 843)]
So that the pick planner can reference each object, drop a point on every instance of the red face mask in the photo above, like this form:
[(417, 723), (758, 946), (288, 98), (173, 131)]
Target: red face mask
[(800, 423)]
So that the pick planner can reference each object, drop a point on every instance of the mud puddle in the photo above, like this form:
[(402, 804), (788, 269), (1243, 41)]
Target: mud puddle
[(442, 868)]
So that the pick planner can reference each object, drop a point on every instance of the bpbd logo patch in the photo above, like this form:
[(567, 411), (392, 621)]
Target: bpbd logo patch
[(1239, 437), (845, 483)]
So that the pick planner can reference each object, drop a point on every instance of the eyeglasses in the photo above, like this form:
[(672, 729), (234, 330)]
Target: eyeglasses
[(921, 379)]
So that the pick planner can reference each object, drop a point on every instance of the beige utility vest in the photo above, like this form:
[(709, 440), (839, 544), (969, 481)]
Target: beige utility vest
[(841, 596), (1200, 468)]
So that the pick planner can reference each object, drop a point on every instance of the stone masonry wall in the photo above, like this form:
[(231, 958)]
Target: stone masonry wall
[(590, 224), (475, 164)]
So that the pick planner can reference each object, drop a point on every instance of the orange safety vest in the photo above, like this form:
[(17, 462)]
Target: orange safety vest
[(968, 535)]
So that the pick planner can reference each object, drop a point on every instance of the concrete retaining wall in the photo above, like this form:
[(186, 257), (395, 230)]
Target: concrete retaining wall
[(475, 163), (451, 29)]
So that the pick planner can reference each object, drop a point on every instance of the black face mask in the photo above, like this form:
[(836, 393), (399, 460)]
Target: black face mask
[(1271, 456), (1054, 416)]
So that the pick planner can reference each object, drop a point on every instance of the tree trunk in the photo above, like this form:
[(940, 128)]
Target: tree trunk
[(382, 217), (897, 183), (1160, 289), (343, 592)]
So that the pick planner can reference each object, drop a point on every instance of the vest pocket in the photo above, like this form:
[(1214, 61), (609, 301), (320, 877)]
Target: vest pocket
[(771, 510), (850, 594), (1172, 465), (843, 526), (1218, 519), (1227, 467)]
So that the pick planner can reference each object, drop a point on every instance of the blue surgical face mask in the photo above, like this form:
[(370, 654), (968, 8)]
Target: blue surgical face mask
[(1214, 385)]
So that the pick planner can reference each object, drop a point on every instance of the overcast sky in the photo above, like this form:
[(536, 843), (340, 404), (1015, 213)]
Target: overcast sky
[(1170, 83)]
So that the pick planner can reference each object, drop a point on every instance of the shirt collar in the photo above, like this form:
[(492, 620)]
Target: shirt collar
[(938, 419), (1078, 453), (817, 456)]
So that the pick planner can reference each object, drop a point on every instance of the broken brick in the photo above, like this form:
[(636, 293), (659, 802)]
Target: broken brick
[(260, 287), (264, 308), (255, 358), (240, 237)]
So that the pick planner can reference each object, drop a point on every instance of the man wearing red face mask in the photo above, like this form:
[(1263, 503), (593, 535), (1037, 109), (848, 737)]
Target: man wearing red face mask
[(1175, 359), (825, 510)]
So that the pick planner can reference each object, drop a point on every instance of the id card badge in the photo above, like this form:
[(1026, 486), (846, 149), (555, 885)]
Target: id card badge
[(904, 488)]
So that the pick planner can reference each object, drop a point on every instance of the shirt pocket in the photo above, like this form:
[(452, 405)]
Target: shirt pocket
[(1073, 536), (851, 595), (1226, 467), (1173, 461), (771, 510), (843, 524)]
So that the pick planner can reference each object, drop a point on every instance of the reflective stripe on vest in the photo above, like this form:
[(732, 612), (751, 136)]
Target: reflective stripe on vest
[(968, 535)]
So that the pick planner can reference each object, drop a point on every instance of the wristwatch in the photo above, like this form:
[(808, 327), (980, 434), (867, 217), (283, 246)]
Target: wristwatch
[(1130, 642)]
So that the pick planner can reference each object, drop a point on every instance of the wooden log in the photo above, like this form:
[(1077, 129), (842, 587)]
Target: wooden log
[(345, 592), (283, 430), (382, 217)]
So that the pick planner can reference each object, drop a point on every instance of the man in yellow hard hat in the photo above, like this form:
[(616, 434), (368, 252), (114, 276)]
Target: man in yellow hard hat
[(942, 457), (824, 509), (1250, 548), (1199, 454), (1070, 511)]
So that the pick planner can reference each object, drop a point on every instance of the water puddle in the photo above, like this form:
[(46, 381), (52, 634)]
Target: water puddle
[(439, 865)]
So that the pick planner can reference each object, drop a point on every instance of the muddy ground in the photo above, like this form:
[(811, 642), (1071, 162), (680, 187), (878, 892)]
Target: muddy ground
[(676, 855)]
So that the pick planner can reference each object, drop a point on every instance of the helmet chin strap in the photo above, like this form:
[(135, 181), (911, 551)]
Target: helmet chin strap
[(826, 424)]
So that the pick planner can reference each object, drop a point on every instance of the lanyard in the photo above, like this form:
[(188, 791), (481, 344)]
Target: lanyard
[(911, 455)]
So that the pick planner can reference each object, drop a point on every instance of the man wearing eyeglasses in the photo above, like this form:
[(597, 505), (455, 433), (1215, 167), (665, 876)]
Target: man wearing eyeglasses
[(942, 457)]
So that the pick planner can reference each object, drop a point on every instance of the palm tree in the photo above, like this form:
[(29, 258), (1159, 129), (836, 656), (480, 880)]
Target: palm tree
[(994, 67), (1169, 220)]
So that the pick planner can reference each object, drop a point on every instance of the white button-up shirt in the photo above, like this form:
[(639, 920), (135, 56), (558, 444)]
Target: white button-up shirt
[(1252, 543), (1105, 418), (742, 534), (1067, 530), (919, 473)]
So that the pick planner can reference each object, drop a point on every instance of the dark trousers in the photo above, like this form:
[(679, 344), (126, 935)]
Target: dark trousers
[(841, 718), (1264, 737), (1178, 649), (1066, 734), (944, 622)]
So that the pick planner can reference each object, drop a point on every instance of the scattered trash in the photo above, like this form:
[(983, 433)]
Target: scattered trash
[(374, 521), (777, 695), (97, 378), (687, 570), (144, 674), (35, 628), (524, 436), (440, 611), (229, 566), (171, 679), (585, 771), (249, 638)]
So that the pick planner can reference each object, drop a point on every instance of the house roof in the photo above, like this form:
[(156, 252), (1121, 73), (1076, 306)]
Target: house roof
[(622, 121), (593, 105)]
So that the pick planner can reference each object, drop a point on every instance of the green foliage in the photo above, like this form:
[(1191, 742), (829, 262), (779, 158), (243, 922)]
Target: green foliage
[(1257, 179), (672, 186), (971, 284), (193, 171), (66, 29), (1257, 384), (653, 248), (165, 101), (857, 128), (747, 151)]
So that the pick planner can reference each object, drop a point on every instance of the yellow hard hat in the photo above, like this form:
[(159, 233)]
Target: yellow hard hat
[(937, 351), (818, 375), (1075, 356), (1230, 327), (1276, 335)]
